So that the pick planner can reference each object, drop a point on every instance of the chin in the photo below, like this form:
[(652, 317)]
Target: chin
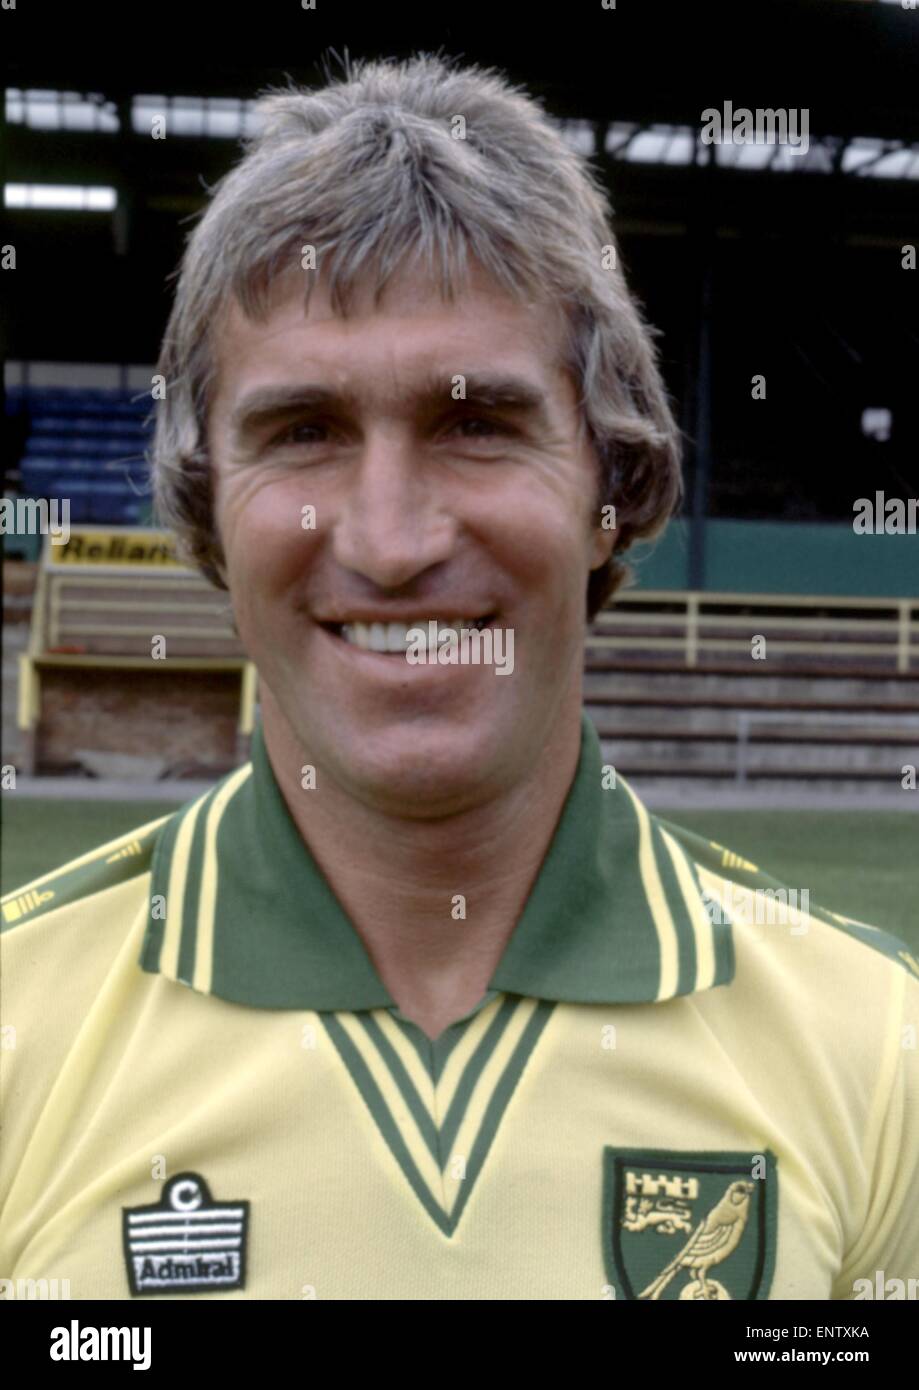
[(412, 770)]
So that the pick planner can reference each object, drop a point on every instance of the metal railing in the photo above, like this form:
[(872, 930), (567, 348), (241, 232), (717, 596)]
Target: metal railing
[(747, 720), (890, 626)]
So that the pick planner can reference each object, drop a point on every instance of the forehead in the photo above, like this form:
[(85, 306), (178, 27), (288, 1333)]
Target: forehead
[(412, 332)]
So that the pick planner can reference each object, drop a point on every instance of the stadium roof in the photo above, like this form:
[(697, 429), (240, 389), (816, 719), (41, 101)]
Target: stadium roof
[(855, 63)]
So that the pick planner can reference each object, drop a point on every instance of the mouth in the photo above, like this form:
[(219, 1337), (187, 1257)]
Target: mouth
[(395, 639)]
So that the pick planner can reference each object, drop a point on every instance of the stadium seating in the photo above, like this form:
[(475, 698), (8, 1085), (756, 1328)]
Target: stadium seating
[(85, 446), (675, 692)]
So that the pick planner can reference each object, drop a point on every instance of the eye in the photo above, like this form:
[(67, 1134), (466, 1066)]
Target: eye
[(483, 426), (294, 434)]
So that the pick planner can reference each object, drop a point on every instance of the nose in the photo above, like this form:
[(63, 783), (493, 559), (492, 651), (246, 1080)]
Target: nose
[(392, 524)]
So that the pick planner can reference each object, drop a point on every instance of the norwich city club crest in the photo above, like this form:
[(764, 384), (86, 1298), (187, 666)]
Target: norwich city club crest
[(689, 1226)]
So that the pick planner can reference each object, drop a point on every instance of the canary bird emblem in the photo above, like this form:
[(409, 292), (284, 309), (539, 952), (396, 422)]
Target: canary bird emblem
[(689, 1226)]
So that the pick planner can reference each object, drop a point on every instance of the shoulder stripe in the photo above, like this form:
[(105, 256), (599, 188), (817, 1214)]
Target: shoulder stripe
[(710, 859), (879, 940), (104, 867)]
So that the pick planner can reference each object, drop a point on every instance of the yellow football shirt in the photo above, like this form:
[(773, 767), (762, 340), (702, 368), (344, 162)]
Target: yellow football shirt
[(679, 1084)]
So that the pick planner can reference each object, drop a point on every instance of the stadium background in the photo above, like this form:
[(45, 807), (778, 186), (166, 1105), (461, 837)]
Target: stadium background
[(749, 259)]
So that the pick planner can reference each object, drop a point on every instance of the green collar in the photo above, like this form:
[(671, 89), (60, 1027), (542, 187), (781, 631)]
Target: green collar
[(239, 907)]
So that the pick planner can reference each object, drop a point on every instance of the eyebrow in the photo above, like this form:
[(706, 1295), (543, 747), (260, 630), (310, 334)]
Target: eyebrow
[(484, 390)]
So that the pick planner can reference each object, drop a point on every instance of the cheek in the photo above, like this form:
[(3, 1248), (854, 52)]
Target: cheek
[(265, 533), (542, 540)]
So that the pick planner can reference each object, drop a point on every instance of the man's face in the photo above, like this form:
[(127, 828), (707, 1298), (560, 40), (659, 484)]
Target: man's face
[(426, 507)]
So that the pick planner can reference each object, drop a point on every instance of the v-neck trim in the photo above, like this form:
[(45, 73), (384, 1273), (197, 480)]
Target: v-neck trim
[(434, 1052)]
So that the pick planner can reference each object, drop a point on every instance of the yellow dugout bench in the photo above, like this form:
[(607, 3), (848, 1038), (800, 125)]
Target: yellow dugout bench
[(132, 654)]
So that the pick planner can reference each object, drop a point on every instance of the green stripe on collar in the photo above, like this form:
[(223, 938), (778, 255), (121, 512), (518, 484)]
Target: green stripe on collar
[(616, 914)]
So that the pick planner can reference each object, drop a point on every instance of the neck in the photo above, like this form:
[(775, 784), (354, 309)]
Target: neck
[(399, 878)]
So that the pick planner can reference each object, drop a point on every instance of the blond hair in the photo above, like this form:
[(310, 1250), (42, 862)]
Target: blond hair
[(367, 170)]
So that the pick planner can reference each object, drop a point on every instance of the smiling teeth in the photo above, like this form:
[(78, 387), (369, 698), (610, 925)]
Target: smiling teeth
[(393, 637)]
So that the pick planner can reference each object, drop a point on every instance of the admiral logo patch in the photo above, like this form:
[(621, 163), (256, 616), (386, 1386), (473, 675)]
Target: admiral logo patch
[(186, 1242), (689, 1226)]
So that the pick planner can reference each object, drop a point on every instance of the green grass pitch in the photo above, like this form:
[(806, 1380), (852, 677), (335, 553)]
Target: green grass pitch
[(863, 864)]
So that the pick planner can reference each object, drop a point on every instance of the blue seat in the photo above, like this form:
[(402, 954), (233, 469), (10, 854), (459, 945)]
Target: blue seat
[(36, 470), (115, 502), (38, 475), (90, 434), (91, 425), (79, 493)]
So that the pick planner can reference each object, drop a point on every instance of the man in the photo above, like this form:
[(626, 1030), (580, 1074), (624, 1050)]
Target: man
[(422, 1002)]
